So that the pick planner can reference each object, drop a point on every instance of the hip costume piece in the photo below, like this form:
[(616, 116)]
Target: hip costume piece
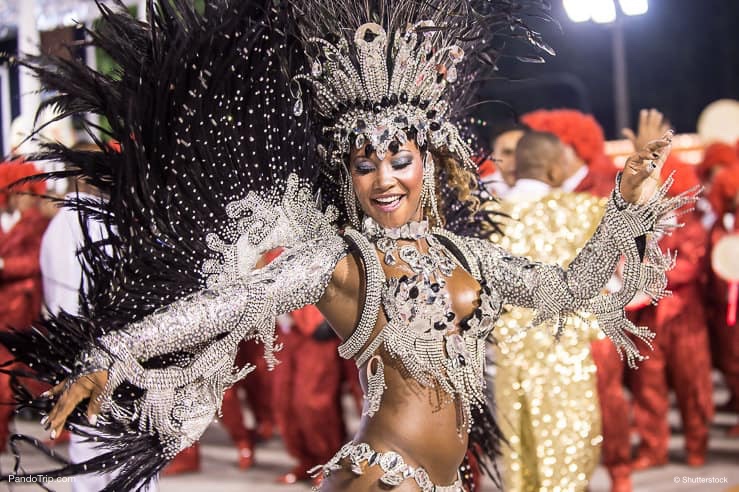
[(234, 128)]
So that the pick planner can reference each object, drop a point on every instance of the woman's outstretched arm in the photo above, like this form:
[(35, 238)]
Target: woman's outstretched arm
[(196, 337), (634, 211)]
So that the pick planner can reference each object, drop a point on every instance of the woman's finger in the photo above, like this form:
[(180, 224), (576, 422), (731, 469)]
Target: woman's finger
[(642, 156), (96, 401), (56, 390), (656, 145), (66, 405)]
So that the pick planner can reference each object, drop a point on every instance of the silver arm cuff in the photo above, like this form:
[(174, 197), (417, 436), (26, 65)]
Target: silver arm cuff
[(181, 401), (555, 292)]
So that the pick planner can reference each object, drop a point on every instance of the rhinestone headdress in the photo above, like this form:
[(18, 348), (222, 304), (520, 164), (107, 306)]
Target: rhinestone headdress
[(371, 104), (407, 78)]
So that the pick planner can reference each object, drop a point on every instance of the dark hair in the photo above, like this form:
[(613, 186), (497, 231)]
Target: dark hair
[(533, 153), (499, 129)]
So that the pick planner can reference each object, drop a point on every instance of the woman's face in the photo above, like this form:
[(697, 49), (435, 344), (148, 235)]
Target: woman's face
[(389, 190)]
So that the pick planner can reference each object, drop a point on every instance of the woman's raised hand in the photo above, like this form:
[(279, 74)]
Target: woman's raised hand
[(641, 176), (69, 395)]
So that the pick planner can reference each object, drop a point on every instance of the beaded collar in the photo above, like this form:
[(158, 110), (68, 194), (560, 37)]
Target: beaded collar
[(411, 230)]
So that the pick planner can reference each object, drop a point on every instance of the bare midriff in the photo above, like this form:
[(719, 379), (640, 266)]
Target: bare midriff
[(422, 424)]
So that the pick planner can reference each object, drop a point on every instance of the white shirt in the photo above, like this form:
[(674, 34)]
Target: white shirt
[(9, 220), (573, 181), (527, 189), (495, 186), (61, 270), (708, 216)]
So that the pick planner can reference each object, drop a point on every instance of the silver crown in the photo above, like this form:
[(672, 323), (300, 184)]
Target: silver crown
[(385, 91)]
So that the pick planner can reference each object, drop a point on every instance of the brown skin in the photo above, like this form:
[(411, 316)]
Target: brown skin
[(21, 202), (504, 154), (572, 162), (556, 173), (652, 126), (415, 421), (551, 159)]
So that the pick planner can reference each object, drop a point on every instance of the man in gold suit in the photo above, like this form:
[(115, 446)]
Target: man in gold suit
[(546, 392)]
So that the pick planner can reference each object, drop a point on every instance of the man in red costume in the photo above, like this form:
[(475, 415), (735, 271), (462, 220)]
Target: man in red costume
[(307, 395), (716, 157), (585, 142), (724, 198), (681, 352), (21, 229)]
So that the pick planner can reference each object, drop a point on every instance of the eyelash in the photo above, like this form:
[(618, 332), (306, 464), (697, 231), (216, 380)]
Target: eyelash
[(369, 169)]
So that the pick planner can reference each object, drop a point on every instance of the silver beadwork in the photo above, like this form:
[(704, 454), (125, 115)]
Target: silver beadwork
[(395, 469), (374, 279), (428, 192), (363, 98)]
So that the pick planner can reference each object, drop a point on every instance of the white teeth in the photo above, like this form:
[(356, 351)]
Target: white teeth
[(387, 200)]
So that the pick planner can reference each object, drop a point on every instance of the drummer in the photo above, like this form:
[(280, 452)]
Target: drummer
[(723, 277)]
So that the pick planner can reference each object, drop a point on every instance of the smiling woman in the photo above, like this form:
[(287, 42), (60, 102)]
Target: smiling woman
[(213, 171), (389, 189)]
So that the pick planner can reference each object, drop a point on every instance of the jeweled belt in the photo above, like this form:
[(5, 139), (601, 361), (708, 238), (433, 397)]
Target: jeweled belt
[(395, 469)]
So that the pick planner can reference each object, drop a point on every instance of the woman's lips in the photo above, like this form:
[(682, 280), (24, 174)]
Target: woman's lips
[(388, 203)]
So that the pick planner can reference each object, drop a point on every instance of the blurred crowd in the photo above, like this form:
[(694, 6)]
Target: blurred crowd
[(551, 175), (563, 407)]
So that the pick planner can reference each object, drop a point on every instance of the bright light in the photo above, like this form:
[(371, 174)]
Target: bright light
[(577, 10), (603, 11), (634, 7)]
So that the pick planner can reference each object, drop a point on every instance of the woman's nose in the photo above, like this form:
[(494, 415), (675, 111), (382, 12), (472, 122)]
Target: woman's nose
[(385, 177)]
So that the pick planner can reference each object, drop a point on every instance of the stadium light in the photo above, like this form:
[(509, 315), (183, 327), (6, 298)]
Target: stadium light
[(606, 12), (577, 10), (634, 7), (603, 11)]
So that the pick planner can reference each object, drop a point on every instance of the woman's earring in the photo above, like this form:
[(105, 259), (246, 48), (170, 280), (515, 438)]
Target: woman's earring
[(350, 202), (428, 192)]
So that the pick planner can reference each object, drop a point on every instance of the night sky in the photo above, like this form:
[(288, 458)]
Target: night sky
[(681, 55)]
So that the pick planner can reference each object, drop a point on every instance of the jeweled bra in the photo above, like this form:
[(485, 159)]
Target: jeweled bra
[(423, 333)]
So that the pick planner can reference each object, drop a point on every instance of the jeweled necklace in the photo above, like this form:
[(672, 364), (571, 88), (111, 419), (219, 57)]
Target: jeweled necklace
[(427, 265), (411, 230)]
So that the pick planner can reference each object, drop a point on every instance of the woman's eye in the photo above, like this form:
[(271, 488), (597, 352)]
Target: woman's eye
[(363, 168), (402, 164)]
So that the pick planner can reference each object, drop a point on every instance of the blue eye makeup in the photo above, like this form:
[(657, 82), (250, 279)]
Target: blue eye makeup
[(402, 160), (364, 167), (402, 163)]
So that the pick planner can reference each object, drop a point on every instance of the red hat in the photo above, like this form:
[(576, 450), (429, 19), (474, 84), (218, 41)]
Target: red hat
[(579, 130), (685, 175), (17, 170), (717, 154), (724, 189)]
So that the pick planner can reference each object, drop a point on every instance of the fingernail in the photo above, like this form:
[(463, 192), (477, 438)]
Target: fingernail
[(46, 394), (44, 419), (93, 419), (53, 435)]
